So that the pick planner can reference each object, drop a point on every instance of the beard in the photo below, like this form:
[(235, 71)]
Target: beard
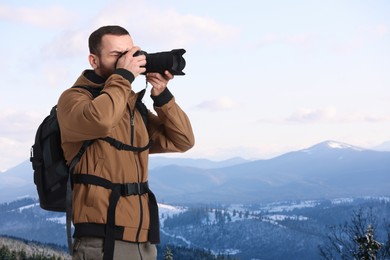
[(105, 70)]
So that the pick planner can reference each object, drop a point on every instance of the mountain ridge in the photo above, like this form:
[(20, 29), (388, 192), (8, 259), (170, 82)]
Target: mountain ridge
[(324, 170), (327, 171)]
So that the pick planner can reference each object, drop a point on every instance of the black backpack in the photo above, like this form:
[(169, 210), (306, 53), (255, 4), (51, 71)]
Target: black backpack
[(52, 176), (50, 170)]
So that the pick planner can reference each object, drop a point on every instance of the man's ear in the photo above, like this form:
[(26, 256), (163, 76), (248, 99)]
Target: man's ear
[(94, 61)]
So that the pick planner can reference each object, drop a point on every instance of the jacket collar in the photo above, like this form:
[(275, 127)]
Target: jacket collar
[(93, 77)]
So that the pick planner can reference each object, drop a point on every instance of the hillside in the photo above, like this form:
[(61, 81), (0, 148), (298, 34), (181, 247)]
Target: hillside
[(278, 230), (23, 249)]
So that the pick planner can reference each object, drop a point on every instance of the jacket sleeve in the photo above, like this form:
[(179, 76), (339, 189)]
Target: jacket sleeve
[(83, 118), (171, 129)]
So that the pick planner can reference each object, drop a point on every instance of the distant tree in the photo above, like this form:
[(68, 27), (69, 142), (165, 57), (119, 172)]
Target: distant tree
[(5, 253), (168, 254), (219, 217), (13, 255), (368, 246), (228, 217), (356, 239), (23, 254)]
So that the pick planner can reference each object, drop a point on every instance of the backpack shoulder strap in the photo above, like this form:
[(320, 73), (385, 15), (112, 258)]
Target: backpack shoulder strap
[(140, 106), (125, 147)]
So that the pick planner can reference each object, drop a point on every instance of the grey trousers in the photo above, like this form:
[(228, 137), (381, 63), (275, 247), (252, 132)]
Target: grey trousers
[(86, 248)]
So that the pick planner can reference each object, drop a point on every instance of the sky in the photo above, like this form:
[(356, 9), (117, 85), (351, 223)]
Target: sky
[(262, 77)]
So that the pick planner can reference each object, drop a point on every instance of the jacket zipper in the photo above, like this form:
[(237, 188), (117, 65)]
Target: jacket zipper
[(138, 177), (131, 127)]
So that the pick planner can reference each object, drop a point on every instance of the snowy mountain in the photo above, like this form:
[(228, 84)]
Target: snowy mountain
[(383, 147), (328, 145), (326, 170)]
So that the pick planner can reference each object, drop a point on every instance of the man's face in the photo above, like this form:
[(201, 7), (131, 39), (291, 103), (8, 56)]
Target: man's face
[(112, 46)]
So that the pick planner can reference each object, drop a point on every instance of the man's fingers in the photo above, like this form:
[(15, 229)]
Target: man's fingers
[(168, 75)]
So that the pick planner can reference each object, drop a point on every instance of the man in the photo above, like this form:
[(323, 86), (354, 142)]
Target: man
[(114, 212)]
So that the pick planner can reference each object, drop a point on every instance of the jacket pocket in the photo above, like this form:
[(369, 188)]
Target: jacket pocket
[(91, 190)]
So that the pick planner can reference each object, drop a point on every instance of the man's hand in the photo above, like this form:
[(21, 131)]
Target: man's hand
[(135, 65), (159, 82)]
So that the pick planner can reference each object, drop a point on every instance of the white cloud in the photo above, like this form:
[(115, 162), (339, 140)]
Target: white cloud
[(47, 17), (148, 24), (375, 30), (365, 37), (350, 46), (290, 39), (13, 152), (310, 115), (16, 125), (327, 115), (376, 118), (303, 38), (167, 27), (17, 133), (51, 74), (221, 103), (71, 43), (381, 29), (270, 38)]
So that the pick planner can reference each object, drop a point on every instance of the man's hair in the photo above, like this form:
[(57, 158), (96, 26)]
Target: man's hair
[(95, 39)]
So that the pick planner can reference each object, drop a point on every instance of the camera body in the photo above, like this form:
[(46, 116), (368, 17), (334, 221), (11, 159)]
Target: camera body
[(172, 61)]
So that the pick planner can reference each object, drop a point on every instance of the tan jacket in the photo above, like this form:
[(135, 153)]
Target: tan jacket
[(83, 118)]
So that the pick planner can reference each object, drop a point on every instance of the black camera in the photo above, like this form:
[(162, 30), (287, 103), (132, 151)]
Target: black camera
[(172, 61)]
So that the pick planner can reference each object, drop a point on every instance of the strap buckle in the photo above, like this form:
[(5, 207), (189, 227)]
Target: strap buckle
[(135, 188), (139, 188), (128, 189)]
